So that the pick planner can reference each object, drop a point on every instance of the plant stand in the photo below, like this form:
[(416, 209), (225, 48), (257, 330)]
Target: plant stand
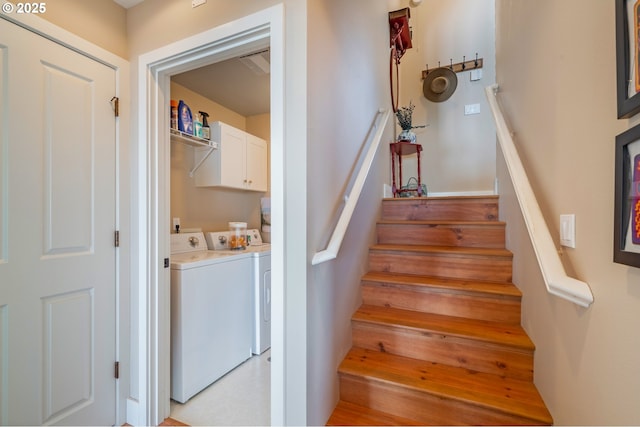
[(399, 149)]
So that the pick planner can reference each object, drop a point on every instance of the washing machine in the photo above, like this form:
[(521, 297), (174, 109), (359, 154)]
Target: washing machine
[(260, 254), (212, 328)]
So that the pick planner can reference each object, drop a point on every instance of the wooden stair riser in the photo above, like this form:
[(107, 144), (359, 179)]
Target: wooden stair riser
[(464, 235), (426, 408), (494, 308), (452, 209), (472, 267), (441, 348), (347, 413), (438, 339)]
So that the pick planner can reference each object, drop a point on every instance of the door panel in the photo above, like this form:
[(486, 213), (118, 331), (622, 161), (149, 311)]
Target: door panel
[(68, 167), (58, 274)]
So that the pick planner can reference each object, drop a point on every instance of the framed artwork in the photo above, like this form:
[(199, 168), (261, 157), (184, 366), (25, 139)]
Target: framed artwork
[(626, 236), (628, 57)]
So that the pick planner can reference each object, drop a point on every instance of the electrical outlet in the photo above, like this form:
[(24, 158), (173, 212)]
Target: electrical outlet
[(196, 3)]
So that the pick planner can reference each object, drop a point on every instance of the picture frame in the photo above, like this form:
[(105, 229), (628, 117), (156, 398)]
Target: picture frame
[(626, 236), (628, 57)]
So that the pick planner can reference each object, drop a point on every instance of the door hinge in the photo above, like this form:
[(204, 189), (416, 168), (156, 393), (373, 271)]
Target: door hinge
[(115, 101), (116, 239), (116, 372)]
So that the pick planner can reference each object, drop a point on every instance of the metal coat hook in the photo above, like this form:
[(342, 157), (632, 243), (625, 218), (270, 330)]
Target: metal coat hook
[(458, 67)]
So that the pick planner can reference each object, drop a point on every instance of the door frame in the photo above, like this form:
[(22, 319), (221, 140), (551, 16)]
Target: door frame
[(120, 66), (289, 252)]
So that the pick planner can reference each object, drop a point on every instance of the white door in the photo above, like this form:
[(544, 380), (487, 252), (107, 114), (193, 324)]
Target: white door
[(57, 218)]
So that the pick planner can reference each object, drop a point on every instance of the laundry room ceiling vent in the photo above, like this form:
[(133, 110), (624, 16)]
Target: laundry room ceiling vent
[(258, 62)]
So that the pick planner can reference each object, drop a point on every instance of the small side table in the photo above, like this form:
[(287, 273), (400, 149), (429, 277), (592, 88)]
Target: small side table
[(399, 149)]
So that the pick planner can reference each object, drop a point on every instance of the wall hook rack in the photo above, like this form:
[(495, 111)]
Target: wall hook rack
[(457, 67)]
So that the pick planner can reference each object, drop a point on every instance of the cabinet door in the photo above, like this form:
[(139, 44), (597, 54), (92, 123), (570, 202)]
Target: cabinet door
[(257, 175), (233, 154)]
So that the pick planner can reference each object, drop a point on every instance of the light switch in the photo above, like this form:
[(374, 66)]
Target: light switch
[(471, 109), (568, 230), (476, 74)]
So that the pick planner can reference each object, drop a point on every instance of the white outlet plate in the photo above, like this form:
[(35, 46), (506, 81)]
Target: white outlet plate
[(196, 3), (568, 230)]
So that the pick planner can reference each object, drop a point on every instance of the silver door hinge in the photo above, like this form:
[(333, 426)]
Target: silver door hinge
[(116, 372), (115, 102), (116, 240)]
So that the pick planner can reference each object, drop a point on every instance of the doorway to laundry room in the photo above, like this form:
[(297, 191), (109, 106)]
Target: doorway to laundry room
[(219, 191)]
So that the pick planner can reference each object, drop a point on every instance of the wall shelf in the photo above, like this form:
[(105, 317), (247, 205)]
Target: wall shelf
[(194, 141)]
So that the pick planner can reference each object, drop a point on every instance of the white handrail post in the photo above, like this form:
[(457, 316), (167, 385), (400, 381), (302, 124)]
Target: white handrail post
[(553, 272)]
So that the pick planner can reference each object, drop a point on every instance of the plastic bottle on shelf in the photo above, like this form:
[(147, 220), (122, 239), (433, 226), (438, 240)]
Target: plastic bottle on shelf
[(174, 114), (206, 131), (185, 123), (197, 125)]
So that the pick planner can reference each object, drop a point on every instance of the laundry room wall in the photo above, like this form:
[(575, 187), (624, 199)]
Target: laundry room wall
[(211, 208)]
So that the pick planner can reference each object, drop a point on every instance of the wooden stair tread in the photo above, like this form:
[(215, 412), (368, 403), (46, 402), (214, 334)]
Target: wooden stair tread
[(496, 333), (519, 398), (441, 222), (444, 250), (443, 283), (347, 413), (413, 199)]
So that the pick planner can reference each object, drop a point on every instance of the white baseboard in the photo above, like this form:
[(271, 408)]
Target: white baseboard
[(461, 193), (132, 412)]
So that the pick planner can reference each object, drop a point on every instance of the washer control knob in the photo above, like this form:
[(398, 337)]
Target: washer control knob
[(193, 241), (222, 239)]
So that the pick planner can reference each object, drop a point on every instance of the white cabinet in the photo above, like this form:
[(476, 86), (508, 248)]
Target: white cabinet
[(239, 162)]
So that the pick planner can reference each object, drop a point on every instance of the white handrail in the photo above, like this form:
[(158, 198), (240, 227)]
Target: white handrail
[(553, 272), (331, 252)]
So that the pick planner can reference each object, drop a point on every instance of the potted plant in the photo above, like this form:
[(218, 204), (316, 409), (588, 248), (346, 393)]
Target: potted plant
[(404, 119)]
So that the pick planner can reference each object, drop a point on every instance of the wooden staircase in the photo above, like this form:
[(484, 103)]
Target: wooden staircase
[(437, 340)]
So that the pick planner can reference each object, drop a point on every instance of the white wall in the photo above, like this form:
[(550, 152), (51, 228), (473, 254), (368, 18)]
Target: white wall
[(347, 86), (103, 22), (556, 70), (458, 150)]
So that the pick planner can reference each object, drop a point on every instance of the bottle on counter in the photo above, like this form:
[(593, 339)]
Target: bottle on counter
[(237, 235)]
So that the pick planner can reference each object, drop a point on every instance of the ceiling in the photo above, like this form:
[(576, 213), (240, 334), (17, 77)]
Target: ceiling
[(128, 3), (232, 84), (239, 85)]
